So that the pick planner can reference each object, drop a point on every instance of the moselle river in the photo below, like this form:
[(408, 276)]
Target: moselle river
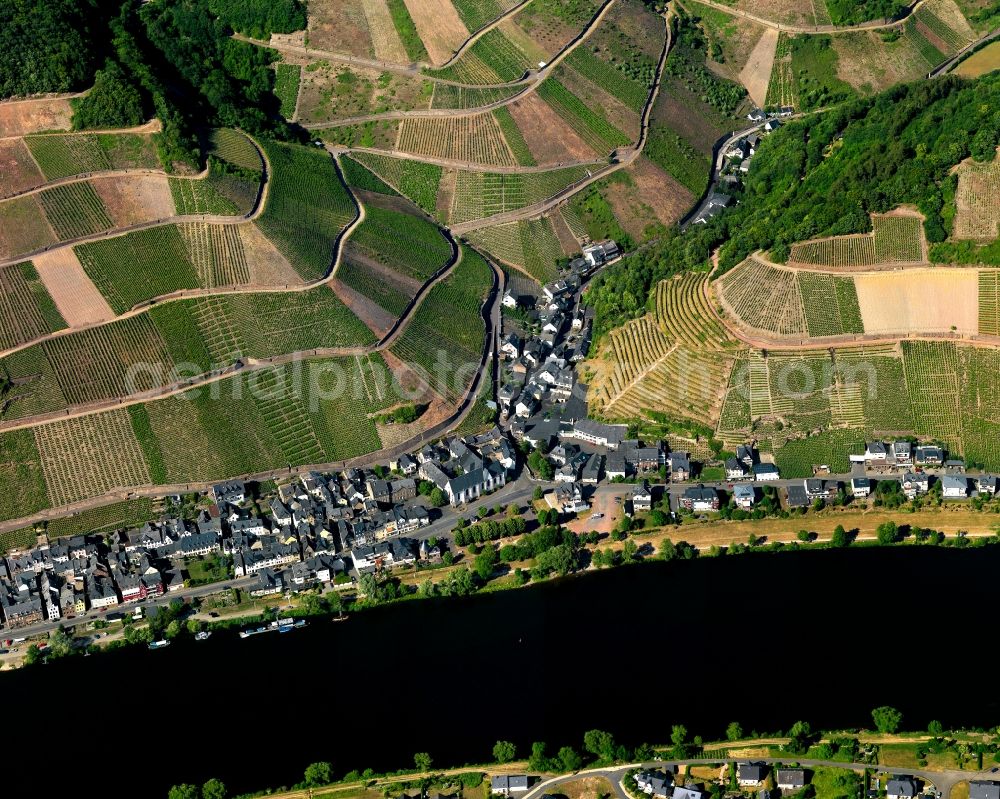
[(765, 639)]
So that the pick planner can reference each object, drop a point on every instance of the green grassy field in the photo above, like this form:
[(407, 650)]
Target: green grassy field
[(413, 179), (65, 155), (26, 308), (286, 87), (403, 242)]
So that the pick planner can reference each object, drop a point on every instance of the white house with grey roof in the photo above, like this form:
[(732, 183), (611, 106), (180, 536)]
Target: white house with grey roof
[(508, 784), (983, 789), (900, 788)]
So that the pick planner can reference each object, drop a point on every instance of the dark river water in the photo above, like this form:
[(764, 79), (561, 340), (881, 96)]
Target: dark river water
[(763, 639)]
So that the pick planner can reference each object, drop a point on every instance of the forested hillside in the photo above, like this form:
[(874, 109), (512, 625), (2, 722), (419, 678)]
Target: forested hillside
[(823, 175)]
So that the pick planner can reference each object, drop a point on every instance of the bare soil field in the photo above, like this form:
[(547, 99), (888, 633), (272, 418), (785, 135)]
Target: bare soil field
[(439, 26), (76, 297), (596, 98), (919, 300), (23, 227), (549, 33), (788, 12), (268, 267), (586, 788), (21, 117), (653, 198), (377, 319), (385, 39), (330, 92), (867, 63), (681, 111), (135, 198), (757, 73), (568, 242), (18, 170), (548, 137), (340, 26)]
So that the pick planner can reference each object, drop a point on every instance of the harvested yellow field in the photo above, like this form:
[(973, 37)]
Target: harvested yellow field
[(77, 298), (919, 301), (439, 26), (978, 64), (977, 200), (385, 40), (472, 140)]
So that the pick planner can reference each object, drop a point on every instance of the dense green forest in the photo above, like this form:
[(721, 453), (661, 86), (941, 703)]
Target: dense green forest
[(823, 175), (175, 59), (851, 12), (51, 45)]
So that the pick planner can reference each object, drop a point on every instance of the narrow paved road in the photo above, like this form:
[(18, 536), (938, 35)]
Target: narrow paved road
[(811, 29)]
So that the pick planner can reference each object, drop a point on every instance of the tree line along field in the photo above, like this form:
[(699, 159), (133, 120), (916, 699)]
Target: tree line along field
[(530, 245), (26, 308), (93, 365), (62, 155), (448, 326), (895, 238), (308, 206)]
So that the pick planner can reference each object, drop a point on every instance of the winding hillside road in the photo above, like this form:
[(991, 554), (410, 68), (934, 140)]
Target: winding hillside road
[(812, 29)]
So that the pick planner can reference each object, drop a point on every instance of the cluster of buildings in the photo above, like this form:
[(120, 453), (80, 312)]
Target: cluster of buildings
[(736, 162), (464, 469), (660, 784)]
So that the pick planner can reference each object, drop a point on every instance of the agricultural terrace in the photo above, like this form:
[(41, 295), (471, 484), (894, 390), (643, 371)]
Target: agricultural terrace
[(927, 300), (476, 14), (74, 210), (977, 201), (116, 516), (413, 179), (989, 302), (515, 139), (139, 353), (89, 456), (896, 238), (286, 87), (234, 147), (589, 122), (494, 58), (479, 195), (23, 227), (331, 92), (22, 481), (26, 308), (830, 303), (685, 315), (475, 139), (328, 417), (217, 253), (62, 155), (448, 328), (764, 297), (552, 24), (361, 177), (467, 97), (221, 192), (138, 266), (25, 538), (308, 207), (639, 369), (530, 245), (403, 242)]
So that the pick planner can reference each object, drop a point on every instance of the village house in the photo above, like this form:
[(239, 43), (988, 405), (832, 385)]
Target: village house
[(598, 433), (929, 456), (901, 788), (680, 466), (689, 791), (700, 499), (986, 484), (735, 470), (861, 487), (654, 783), (982, 789), (642, 497), (744, 495), (765, 472), (508, 784), (791, 779), (954, 486), (750, 775), (914, 484)]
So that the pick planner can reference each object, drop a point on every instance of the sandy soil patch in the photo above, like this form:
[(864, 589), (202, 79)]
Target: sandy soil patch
[(603, 501), (23, 227), (21, 117), (654, 197), (268, 267), (867, 63), (568, 242), (757, 73), (919, 301), (586, 788), (136, 198), (339, 26), (549, 138), (385, 40), (18, 170), (377, 319), (76, 297), (440, 27)]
